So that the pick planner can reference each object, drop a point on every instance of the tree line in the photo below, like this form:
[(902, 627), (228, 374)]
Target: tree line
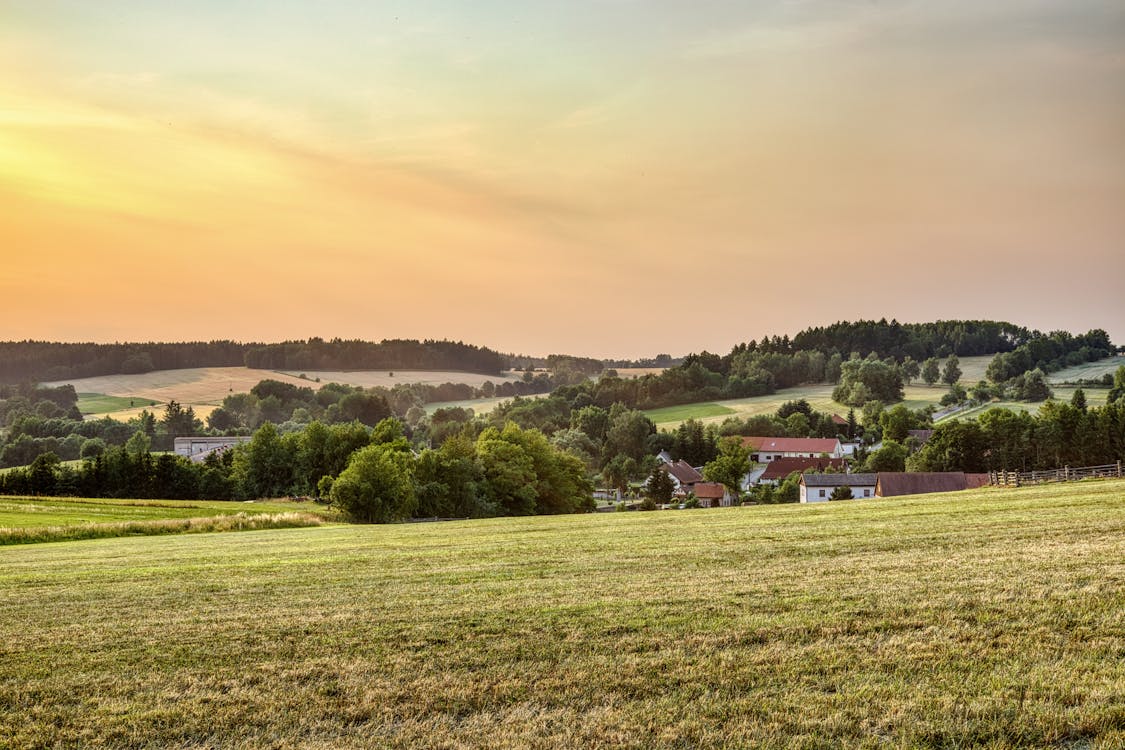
[(372, 474), (45, 361)]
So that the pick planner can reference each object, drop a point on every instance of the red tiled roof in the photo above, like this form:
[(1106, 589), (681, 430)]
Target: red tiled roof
[(710, 491), (837, 419), (791, 445), (779, 468)]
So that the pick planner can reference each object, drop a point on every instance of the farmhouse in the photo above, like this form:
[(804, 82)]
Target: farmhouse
[(766, 449), (780, 468), (893, 484), (197, 448), (818, 488), (683, 474)]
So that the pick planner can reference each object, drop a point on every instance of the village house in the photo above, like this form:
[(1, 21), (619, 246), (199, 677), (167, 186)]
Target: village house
[(712, 495), (766, 449), (684, 475), (818, 488), (778, 469)]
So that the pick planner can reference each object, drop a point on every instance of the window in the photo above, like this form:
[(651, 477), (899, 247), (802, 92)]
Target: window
[(867, 493), (822, 493)]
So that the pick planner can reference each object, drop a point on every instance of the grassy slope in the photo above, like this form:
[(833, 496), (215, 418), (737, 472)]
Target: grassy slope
[(1088, 371), (99, 403), (987, 618)]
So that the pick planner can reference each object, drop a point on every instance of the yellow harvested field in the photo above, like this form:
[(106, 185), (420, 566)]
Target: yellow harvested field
[(636, 372), (204, 388), (193, 385), (384, 378)]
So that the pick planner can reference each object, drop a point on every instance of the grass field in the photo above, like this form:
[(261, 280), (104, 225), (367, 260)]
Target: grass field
[(100, 404), (984, 619), (1088, 371), (918, 396), (1094, 397), (678, 414), (35, 519), (818, 396)]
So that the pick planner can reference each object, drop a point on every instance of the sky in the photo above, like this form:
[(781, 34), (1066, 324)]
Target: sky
[(611, 178)]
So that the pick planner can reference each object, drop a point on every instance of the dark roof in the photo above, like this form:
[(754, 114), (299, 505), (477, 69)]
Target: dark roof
[(779, 468), (893, 484), (839, 480), (684, 472), (710, 490), (920, 435)]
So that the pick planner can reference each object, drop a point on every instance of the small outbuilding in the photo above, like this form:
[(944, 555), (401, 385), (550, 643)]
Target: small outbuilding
[(818, 488)]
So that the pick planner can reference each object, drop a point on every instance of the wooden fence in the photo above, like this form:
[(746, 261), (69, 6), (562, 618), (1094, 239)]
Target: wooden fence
[(1065, 474)]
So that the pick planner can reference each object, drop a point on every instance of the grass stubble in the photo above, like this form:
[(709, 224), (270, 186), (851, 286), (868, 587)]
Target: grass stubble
[(994, 618)]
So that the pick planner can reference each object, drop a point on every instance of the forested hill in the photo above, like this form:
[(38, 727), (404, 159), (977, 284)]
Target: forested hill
[(965, 338), (45, 361)]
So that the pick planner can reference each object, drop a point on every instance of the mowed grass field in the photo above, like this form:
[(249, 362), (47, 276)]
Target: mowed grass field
[(1087, 371), (26, 520), (994, 618), (100, 404)]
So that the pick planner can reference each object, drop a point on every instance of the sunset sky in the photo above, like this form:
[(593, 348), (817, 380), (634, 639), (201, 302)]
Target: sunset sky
[(606, 178)]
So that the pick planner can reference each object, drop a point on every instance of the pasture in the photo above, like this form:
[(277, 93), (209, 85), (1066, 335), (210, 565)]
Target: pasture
[(986, 618)]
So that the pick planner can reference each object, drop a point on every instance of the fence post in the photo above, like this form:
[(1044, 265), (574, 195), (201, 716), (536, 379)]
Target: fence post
[(1066, 472), (1118, 468)]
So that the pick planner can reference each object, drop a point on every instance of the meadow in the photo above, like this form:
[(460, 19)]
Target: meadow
[(990, 618), (918, 396), (1087, 371), (26, 520), (99, 404), (819, 397)]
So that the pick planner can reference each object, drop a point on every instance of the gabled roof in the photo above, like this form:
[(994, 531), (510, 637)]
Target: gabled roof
[(893, 484), (791, 445), (710, 490), (837, 419), (683, 472), (779, 468), (839, 480)]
